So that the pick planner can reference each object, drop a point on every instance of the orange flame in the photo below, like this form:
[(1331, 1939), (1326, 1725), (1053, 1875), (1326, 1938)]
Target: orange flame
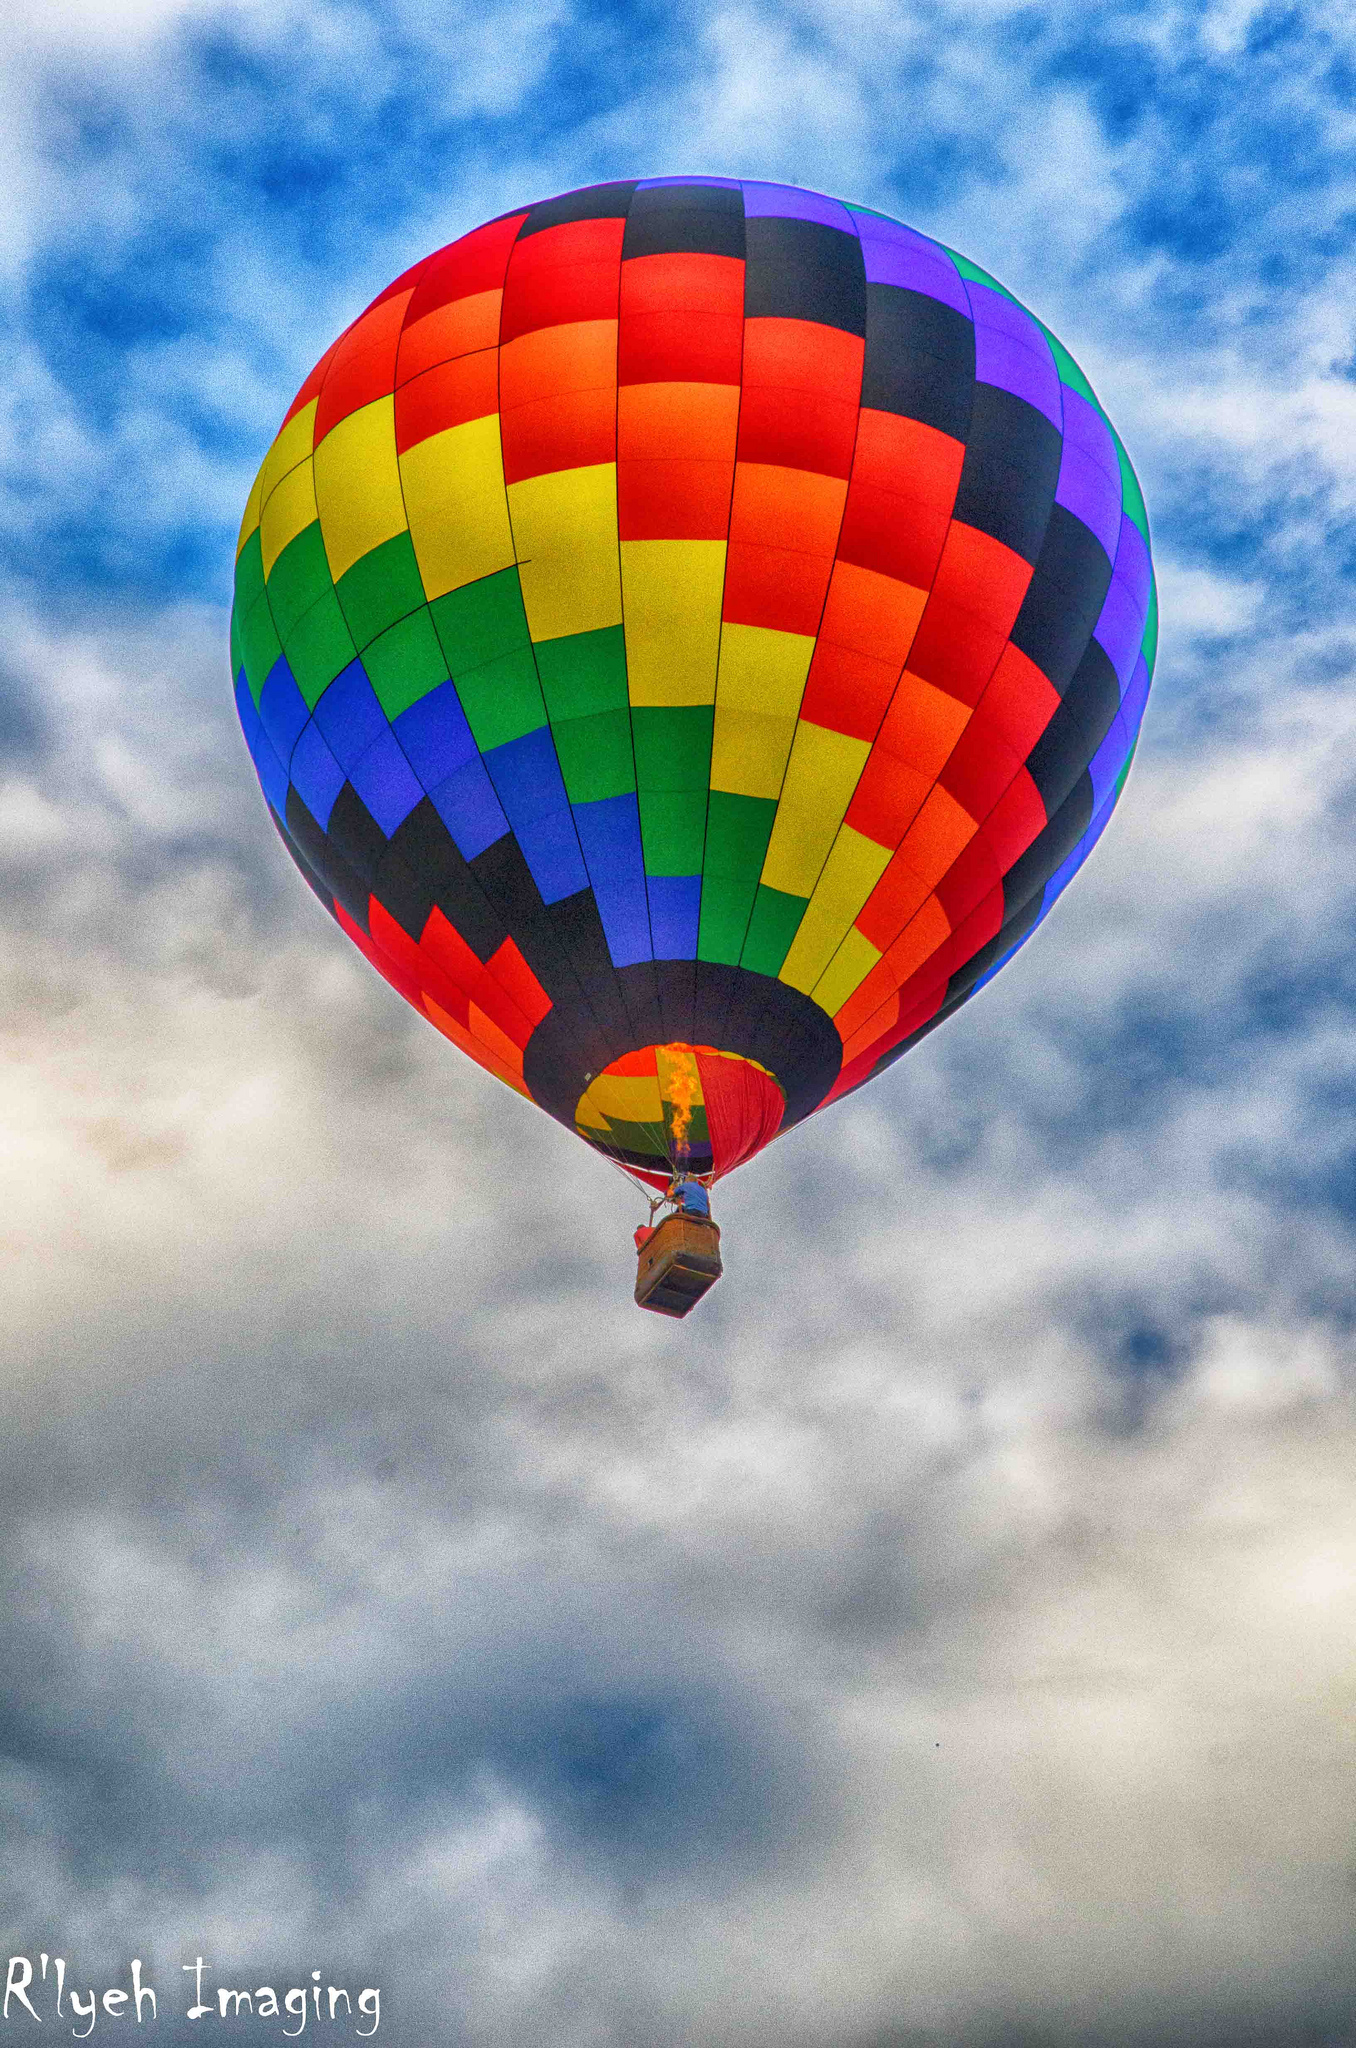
[(679, 1085)]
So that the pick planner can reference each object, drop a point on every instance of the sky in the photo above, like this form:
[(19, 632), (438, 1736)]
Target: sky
[(947, 1637)]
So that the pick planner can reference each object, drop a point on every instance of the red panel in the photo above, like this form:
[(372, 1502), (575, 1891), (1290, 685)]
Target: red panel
[(895, 454), (956, 651), (512, 972), (312, 385), (887, 798), (896, 535), (564, 273), (775, 587), (401, 981), (474, 263), (897, 897), (981, 575), (798, 429), (866, 999), (464, 389), (680, 348), (1016, 821), (1020, 701), (444, 953), (848, 691), (568, 432), (673, 500), (980, 767), (362, 367), (800, 355), (974, 876), (744, 1108), (683, 284), (458, 329)]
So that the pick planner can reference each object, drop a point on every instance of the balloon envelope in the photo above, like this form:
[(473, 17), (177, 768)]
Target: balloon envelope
[(689, 632)]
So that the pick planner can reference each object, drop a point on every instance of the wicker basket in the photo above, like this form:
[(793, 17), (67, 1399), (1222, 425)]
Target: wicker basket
[(677, 1265)]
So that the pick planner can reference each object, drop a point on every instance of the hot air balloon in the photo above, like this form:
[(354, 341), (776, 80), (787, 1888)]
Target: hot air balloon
[(689, 632)]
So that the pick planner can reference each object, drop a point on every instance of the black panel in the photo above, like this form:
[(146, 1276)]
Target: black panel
[(1064, 600), (699, 220), (590, 202), (303, 866), (1011, 468), (920, 359), (1077, 729), (504, 876), (579, 930), (346, 859), (423, 850), (354, 834), (803, 270), (1017, 924), (1027, 877), (674, 981)]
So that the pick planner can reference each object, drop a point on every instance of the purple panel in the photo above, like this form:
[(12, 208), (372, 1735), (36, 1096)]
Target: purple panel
[(898, 255), (1107, 763), (725, 184), (788, 202), (1132, 563), (1087, 491), (1120, 629), (386, 782), (1084, 426), (1011, 352), (1062, 876), (1136, 697)]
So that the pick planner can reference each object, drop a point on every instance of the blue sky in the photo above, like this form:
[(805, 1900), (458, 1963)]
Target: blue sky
[(945, 1637)]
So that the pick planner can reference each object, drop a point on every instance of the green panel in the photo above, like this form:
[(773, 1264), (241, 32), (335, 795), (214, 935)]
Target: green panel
[(775, 922), (595, 755), (405, 662), (737, 832), (973, 271), (249, 573), (583, 673), (318, 646), (1069, 372), (1132, 498), (481, 621), (301, 576), (259, 644), (1149, 644), (237, 651), (1120, 779), (502, 699), (673, 750), (380, 588), (642, 1138), (726, 904), (673, 830)]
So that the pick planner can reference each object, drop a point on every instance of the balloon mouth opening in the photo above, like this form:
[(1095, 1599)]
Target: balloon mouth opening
[(680, 1109)]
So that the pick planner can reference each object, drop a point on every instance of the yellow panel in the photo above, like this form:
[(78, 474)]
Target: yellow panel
[(671, 592), (357, 485), (454, 495), (851, 872), (627, 1099), (292, 446), (847, 971), (251, 518), (749, 752), (565, 535), (820, 778), (290, 508), (763, 670)]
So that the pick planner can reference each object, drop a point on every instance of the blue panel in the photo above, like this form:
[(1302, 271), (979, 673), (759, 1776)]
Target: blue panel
[(435, 735), (282, 709), (526, 776), (386, 782), (551, 849), (349, 715), (270, 770), (675, 910), (316, 774), (609, 832), (469, 808)]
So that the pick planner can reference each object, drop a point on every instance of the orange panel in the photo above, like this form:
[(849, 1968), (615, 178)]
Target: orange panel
[(876, 614), (801, 355), (887, 799), (664, 420), (457, 329), (922, 725), (874, 1029), (788, 508), (898, 896), (581, 355), (866, 999), (673, 500), (937, 836), (465, 389), (363, 365), (684, 284), (572, 431), (846, 690)]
